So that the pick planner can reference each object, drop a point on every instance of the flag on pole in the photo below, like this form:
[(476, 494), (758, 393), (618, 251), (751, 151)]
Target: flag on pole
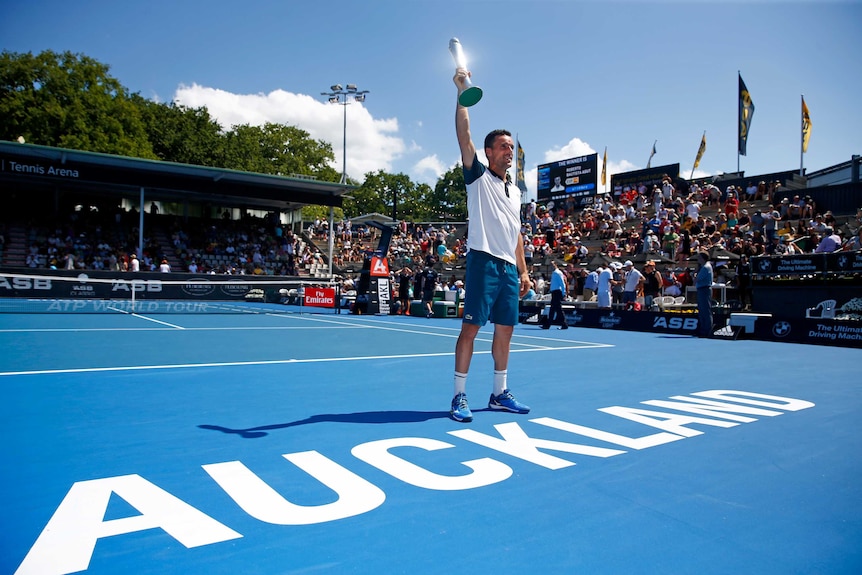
[(806, 126), (605, 168), (700, 150), (520, 180), (651, 154), (746, 112)]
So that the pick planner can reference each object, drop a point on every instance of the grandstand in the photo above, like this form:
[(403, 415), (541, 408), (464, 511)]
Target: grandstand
[(191, 219)]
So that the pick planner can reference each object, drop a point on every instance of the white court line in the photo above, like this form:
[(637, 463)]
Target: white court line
[(350, 322), (339, 324), (154, 320), (291, 328), (276, 361), (485, 330), (453, 335), (237, 328)]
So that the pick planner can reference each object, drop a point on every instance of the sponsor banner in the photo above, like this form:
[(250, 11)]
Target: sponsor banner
[(808, 264), (379, 267), (804, 264), (816, 331), (144, 285), (844, 262), (319, 297), (383, 297), (649, 321)]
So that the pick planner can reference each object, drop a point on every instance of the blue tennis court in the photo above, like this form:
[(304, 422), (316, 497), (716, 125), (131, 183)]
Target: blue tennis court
[(299, 443)]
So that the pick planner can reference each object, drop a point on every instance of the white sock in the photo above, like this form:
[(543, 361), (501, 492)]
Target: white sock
[(500, 381), (460, 383)]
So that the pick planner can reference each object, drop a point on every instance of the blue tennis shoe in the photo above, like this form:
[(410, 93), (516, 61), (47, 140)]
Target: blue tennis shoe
[(460, 411), (507, 402)]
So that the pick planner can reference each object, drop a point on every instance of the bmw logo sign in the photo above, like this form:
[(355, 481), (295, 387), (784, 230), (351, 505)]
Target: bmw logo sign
[(781, 329)]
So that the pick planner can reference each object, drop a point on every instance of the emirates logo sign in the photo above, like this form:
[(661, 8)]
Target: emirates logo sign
[(320, 297)]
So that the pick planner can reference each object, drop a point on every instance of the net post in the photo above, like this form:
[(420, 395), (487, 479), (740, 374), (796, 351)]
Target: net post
[(301, 294)]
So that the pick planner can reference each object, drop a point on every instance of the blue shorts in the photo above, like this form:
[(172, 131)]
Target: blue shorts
[(492, 290)]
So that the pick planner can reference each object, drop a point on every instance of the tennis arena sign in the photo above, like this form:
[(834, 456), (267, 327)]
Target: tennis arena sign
[(68, 541)]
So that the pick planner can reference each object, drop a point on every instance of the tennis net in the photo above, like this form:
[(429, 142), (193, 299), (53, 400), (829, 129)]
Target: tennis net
[(156, 294)]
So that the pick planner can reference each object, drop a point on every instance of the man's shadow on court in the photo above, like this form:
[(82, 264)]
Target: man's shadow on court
[(373, 417)]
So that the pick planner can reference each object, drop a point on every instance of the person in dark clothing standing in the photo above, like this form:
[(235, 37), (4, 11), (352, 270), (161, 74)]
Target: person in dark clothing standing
[(558, 292), (405, 277), (703, 284), (743, 281), (652, 284), (429, 285)]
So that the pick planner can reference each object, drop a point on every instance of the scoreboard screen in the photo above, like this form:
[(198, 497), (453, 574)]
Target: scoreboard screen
[(573, 179)]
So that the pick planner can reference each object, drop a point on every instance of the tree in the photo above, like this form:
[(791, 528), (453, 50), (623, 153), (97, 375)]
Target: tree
[(314, 212), (181, 134), (69, 101), (277, 149), (414, 203), (378, 192), (449, 198)]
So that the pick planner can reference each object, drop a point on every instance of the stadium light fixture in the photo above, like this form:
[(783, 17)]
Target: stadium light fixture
[(343, 97)]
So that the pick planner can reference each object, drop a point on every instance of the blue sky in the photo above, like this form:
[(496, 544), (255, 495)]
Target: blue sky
[(567, 77)]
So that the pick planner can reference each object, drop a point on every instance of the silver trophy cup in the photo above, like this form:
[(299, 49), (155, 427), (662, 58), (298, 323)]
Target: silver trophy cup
[(471, 94)]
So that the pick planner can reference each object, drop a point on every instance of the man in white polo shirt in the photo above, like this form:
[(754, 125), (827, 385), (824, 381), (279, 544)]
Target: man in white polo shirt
[(496, 274), (633, 281)]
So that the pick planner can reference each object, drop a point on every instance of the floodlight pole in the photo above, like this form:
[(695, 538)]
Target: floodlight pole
[(344, 97), (140, 250)]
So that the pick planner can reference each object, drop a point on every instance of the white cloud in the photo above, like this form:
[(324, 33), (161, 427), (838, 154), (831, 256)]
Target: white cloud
[(429, 169), (701, 175), (372, 144), (573, 149), (618, 168)]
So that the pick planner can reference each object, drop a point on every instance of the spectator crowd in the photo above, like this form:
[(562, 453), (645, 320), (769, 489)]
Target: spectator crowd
[(665, 223)]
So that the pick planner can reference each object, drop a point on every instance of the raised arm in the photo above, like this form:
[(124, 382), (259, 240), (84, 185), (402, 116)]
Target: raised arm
[(462, 123)]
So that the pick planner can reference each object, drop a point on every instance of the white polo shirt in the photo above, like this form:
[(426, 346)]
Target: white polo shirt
[(494, 219)]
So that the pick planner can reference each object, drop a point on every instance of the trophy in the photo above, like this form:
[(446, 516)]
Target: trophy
[(471, 94)]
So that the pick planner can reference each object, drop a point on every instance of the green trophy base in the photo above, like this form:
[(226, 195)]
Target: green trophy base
[(470, 96)]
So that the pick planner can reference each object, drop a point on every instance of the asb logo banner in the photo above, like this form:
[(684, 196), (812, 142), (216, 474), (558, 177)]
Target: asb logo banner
[(320, 297), (379, 267)]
